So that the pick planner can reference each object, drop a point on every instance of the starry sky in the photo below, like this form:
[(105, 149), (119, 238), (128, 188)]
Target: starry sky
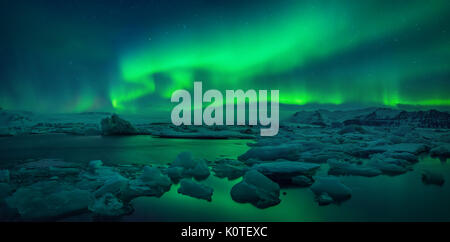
[(130, 55)]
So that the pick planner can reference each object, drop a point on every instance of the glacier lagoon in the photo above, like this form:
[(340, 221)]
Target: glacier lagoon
[(382, 198)]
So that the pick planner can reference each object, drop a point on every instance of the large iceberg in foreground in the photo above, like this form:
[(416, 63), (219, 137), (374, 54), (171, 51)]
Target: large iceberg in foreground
[(49, 200)]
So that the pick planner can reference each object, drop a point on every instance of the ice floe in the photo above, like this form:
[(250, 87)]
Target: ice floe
[(109, 205), (302, 181), (4, 176), (282, 172), (442, 152), (49, 200), (115, 185), (389, 166), (331, 187), (257, 189), (194, 189), (230, 169), (185, 166), (345, 168), (324, 199), (151, 183), (432, 178), (269, 153)]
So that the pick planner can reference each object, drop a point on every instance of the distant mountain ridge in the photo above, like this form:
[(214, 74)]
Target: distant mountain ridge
[(375, 117), (422, 119)]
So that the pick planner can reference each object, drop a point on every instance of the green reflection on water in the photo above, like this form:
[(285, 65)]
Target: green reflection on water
[(382, 198), (114, 150)]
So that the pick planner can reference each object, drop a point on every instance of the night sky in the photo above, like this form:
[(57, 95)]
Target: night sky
[(128, 56)]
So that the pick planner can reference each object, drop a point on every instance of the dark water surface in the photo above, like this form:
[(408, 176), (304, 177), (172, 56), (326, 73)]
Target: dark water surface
[(142, 149), (382, 198)]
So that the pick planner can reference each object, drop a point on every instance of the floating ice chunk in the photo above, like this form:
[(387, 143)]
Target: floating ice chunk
[(36, 170), (47, 163), (256, 189), (190, 167), (151, 183), (184, 159), (352, 129), (49, 199), (231, 169), (96, 171), (432, 178), (109, 206), (191, 188), (321, 157), (95, 164), (366, 152), (442, 152), (6, 131), (344, 168), (283, 171), (91, 131), (117, 126), (114, 185), (333, 187), (389, 166), (302, 181), (149, 174), (99, 177), (413, 148), (57, 171), (5, 190), (4, 176), (402, 156), (200, 171), (269, 153), (6, 213), (324, 199), (175, 173)]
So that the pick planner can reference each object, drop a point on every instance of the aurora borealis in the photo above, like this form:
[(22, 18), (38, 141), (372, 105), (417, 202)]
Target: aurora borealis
[(129, 56)]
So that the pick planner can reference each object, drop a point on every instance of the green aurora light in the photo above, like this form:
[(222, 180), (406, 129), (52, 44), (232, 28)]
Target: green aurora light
[(327, 52), (236, 55)]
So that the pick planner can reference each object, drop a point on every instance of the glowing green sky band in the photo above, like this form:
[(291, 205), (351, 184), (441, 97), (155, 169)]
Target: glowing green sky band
[(238, 54)]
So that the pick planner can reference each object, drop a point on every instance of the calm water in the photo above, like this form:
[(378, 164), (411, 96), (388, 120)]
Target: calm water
[(113, 150), (381, 198)]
